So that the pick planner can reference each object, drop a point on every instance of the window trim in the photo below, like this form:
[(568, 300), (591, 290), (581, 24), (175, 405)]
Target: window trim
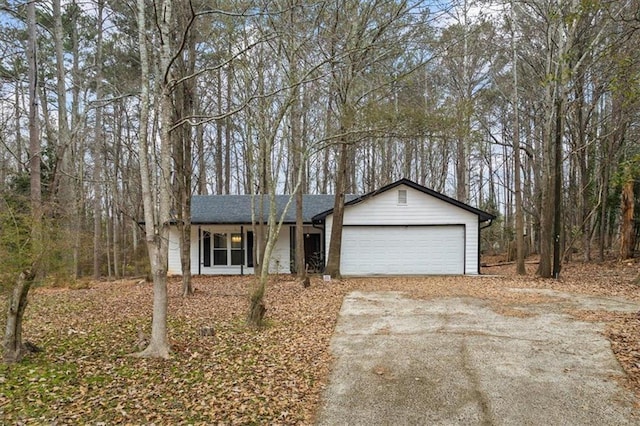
[(236, 250), (403, 197), (224, 250), (214, 254)]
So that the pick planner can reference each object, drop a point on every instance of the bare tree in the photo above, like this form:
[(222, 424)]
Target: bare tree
[(156, 199), (63, 180), (519, 230), (13, 347), (97, 157), (361, 35), (184, 95)]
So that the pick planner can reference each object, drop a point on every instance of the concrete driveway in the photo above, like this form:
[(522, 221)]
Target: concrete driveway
[(450, 361)]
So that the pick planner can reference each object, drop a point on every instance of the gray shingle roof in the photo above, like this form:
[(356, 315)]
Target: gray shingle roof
[(237, 208)]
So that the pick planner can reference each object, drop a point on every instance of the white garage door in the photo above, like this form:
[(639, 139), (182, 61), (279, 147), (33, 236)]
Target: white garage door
[(402, 250)]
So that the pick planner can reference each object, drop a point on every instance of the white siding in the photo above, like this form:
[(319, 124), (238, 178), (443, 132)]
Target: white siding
[(174, 265), (421, 209), (279, 259)]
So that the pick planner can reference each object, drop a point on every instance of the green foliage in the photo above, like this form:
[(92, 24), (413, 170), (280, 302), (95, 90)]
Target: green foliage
[(17, 249), (15, 232), (627, 170)]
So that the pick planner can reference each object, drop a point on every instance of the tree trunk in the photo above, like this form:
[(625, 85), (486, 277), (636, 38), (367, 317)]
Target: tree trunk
[(257, 309), (520, 267), (18, 301), (298, 145), (604, 197), (97, 187), (627, 231), (335, 245), (228, 122), (546, 221), (184, 97), (557, 192), (301, 267), (219, 140), (202, 167), (156, 214), (13, 348), (18, 125), (34, 140), (63, 179)]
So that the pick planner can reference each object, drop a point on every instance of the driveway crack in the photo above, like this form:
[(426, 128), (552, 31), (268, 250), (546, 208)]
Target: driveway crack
[(477, 393)]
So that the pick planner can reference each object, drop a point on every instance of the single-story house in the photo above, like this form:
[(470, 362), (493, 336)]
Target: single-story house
[(400, 229)]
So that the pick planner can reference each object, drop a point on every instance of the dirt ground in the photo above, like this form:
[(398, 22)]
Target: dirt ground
[(222, 371)]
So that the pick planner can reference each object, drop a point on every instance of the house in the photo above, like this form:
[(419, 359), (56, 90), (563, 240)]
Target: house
[(400, 229)]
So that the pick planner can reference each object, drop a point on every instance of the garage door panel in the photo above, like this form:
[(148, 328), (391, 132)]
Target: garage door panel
[(402, 250)]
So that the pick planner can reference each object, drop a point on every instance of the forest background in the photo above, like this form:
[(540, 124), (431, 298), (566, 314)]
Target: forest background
[(525, 108)]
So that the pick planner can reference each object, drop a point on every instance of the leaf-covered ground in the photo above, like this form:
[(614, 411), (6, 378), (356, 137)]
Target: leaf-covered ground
[(237, 375)]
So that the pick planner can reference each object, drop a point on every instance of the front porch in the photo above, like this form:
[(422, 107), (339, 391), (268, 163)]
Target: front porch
[(235, 250)]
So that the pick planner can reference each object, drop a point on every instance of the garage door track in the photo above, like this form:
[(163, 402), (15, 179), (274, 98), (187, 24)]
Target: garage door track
[(450, 361)]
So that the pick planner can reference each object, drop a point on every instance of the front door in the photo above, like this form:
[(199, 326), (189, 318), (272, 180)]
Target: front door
[(313, 253)]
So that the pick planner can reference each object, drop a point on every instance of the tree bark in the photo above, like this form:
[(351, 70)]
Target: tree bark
[(156, 214), (63, 178), (18, 301), (546, 219), (557, 192), (627, 229), (97, 158), (297, 142), (202, 167), (13, 348), (228, 134), (219, 138), (335, 246), (184, 100), (520, 266), (34, 138)]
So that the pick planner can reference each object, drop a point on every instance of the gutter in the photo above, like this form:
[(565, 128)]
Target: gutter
[(490, 223)]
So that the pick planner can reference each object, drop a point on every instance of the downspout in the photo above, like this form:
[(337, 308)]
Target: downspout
[(242, 249), (199, 250), (480, 228)]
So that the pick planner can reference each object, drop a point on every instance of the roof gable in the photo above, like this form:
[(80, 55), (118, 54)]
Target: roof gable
[(482, 215)]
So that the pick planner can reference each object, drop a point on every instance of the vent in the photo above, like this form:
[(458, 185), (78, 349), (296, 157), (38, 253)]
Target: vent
[(402, 197)]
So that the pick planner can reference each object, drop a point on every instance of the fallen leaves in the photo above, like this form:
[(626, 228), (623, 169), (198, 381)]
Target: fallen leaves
[(222, 372)]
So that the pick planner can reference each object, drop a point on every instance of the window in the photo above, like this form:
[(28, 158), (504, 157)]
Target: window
[(402, 197), (227, 248), (236, 249), (220, 249)]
